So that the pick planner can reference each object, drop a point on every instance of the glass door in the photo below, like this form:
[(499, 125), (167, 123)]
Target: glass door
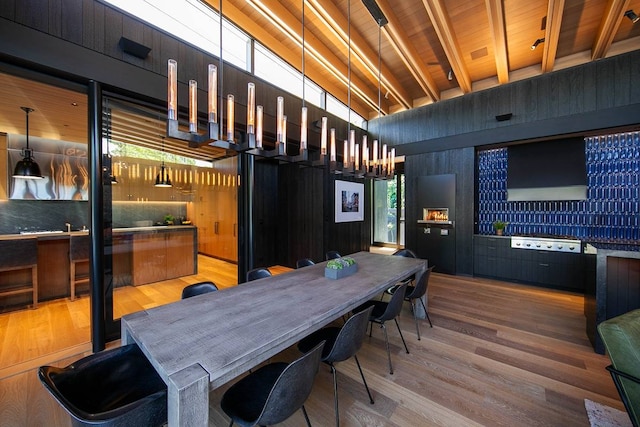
[(172, 211)]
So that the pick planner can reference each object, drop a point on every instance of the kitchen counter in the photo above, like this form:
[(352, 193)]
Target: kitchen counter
[(52, 235), (140, 255)]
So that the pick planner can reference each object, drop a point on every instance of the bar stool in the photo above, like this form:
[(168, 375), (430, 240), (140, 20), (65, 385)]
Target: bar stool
[(78, 253), (20, 254)]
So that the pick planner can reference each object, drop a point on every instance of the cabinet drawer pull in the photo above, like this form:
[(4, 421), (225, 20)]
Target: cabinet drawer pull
[(215, 227), (542, 264)]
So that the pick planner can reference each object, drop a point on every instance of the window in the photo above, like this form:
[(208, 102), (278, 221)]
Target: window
[(195, 23), (274, 70), (338, 109)]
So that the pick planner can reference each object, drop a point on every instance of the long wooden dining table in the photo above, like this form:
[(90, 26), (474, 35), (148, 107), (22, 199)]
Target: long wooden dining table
[(200, 343)]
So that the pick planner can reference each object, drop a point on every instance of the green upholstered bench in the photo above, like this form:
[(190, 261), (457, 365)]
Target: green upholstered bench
[(621, 337)]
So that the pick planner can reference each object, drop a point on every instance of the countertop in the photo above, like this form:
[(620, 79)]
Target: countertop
[(49, 235)]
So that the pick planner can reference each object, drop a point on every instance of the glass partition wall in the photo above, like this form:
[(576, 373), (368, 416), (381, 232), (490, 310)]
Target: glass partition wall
[(48, 213), (172, 211)]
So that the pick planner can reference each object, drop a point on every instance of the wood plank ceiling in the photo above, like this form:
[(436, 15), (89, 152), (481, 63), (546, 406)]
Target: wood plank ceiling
[(477, 43), (433, 49)]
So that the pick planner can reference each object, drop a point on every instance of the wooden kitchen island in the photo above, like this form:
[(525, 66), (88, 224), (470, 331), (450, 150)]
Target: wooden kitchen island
[(141, 255)]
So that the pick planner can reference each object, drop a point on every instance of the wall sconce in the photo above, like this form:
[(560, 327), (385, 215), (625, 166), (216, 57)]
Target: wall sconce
[(536, 43), (632, 16)]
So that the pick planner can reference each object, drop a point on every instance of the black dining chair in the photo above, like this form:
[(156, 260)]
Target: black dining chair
[(384, 311), (332, 255), (117, 387), (198, 289), (304, 262), (405, 253), (258, 273), (415, 293), (274, 392), (341, 343)]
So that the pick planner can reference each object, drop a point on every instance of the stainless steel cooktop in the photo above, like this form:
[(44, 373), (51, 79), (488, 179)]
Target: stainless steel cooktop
[(553, 244)]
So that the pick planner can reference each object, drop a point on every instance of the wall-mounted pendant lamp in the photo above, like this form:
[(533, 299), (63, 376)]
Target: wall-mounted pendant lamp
[(163, 179), (27, 168)]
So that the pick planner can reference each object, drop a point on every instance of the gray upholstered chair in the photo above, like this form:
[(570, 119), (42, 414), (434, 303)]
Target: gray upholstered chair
[(340, 344), (272, 393), (621, 338), (384, 311), (117, 387), (198, 289)]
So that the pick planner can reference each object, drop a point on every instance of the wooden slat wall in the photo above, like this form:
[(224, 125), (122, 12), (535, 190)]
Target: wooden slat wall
[(623, 285), (460, 162), (579, 99)]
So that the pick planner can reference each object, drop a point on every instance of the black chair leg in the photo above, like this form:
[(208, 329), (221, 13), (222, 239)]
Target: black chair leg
[(363, 380), (386, 342), (415, 319), (426, 312), (335, 394), (401, 336), (306, 417)]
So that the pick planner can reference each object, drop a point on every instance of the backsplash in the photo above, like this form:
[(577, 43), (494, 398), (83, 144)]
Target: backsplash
[(129, 214), (610, 214), (42, 215), (48, 215)]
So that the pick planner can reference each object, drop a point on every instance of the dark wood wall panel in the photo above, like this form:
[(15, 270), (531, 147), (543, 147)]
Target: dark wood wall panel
[(623, 285), (570, 98), (265, 214), (461, 163), (301, 211)]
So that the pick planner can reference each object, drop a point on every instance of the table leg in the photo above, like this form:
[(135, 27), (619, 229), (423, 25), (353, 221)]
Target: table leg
[(188, 397)]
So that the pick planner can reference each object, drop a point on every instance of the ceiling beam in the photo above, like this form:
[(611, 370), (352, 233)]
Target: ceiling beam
[(555, 11), (498, 31), (335, 21), (442, 25), (314, 50), (611, 19), (407, 52)]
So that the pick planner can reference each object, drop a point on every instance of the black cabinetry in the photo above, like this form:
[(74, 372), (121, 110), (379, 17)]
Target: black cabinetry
[(495, 258)]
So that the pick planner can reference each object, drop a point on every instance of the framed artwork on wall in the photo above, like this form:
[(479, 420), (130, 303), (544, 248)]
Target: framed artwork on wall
[(349, 201)]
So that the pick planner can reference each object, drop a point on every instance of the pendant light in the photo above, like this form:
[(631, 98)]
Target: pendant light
[(162, 179), (27, 168)]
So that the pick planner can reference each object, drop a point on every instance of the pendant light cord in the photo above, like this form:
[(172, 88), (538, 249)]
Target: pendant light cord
[(303, 47), (379, 66), (221, 79), (349, 66)]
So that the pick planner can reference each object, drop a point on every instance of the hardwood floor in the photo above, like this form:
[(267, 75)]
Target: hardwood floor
[(498, 355)]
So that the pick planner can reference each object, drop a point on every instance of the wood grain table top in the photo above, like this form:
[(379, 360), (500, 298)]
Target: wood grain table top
[(230, 331)]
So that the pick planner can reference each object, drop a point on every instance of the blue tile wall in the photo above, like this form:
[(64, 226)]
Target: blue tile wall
[(609, 215)]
